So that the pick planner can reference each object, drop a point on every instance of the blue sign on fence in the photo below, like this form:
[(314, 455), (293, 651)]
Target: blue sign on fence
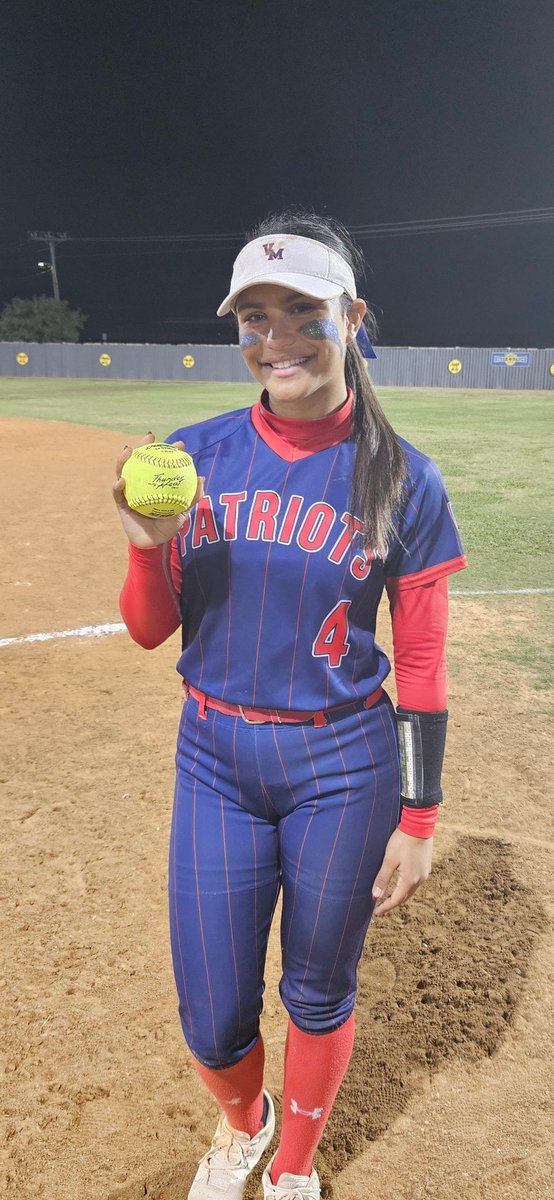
[(510, 358)]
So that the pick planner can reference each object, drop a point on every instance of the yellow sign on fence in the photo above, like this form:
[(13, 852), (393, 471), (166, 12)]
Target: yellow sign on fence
[(454, 366)]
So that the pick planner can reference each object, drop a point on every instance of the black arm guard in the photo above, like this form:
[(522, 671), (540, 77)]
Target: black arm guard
[(421, 741)]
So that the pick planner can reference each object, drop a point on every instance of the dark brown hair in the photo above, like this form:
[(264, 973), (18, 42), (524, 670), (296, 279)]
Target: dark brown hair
[(380, 467)]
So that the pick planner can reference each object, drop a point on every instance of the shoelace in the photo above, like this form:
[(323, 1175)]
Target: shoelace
[(225, 1151), (294, 1195)]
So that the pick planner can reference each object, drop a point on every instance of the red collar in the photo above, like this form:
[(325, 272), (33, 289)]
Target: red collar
[(292, 439)]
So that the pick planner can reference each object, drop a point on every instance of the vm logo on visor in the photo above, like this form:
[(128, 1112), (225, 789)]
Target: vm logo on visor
[(270, 253)]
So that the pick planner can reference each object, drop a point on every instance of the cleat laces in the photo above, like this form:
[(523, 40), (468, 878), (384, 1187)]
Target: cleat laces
[(226, 1152), (294, 1195)]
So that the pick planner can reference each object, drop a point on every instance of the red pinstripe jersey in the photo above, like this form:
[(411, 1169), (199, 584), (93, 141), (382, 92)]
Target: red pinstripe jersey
[(279, 598)]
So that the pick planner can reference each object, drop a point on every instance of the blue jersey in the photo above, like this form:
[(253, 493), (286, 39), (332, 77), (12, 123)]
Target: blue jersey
[(279, 598)]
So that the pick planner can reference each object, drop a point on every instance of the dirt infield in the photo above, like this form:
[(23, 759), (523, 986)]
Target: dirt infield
[(447, 1095)]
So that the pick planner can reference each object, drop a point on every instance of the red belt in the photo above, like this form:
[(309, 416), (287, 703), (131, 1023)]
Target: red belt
[(276, 716)]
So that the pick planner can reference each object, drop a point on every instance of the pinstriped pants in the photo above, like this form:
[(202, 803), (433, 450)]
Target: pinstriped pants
[(259, 808)]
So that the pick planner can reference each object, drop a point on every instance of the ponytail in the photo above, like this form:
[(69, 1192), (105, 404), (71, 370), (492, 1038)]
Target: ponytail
[(380, 464)]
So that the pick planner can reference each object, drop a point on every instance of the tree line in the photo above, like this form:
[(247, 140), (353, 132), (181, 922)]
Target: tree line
[(42, 319)]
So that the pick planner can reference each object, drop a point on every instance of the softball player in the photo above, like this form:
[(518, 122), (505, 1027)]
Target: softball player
[(288, 772)]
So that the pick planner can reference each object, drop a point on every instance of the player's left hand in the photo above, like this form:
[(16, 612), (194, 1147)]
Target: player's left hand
[(411, 857)]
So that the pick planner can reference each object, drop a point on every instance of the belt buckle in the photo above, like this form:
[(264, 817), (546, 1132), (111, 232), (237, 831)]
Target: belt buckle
[(247, 719)]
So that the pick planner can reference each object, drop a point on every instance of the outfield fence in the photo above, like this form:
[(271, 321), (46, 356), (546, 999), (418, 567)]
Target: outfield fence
[(395, 366)]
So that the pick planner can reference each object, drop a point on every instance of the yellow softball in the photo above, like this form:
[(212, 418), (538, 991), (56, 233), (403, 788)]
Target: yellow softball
[(160, 480)]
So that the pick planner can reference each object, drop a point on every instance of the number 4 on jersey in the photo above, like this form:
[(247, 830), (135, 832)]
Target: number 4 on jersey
[(332, 640)]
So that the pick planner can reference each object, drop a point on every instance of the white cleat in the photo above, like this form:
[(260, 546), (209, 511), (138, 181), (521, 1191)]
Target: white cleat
[(291, 1187), (224, 1169)]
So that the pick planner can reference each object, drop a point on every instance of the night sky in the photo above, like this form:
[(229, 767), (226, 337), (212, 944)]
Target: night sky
[(164, 118)]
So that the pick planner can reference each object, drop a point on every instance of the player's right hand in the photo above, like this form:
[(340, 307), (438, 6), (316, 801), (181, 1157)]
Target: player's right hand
[(146, 532)]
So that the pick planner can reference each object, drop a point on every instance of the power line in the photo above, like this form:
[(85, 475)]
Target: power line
[(97, 255), (162, 237), (153, 244), (462, 221), (526, 216), (360, 233), (454, 226)]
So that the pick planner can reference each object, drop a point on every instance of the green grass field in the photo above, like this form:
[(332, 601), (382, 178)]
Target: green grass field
[(494, 449)]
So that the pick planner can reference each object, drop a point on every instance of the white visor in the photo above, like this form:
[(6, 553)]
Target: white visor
[(298, 263)]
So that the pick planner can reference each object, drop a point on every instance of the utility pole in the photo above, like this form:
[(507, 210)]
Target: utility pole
[(51, 240)]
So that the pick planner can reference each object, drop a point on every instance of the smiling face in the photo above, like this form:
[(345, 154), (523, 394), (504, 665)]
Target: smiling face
[(295, 346)]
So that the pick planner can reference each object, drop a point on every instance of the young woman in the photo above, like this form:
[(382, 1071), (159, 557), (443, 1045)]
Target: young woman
[(289, 777)]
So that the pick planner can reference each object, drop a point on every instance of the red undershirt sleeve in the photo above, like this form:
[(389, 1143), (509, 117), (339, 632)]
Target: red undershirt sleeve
[(149, 599), (419, 628)]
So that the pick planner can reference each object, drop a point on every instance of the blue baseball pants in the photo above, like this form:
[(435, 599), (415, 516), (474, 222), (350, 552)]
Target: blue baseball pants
[(259, 808)]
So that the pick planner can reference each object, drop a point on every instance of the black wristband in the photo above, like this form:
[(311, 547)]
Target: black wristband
[(421, 742)]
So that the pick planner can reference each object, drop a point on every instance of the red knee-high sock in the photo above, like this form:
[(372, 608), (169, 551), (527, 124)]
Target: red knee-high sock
[(315, 1065), (238, 1089)]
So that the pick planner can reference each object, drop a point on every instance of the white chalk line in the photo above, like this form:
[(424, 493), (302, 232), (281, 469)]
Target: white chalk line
[(506, 592), (84, 631), (119, 627)]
